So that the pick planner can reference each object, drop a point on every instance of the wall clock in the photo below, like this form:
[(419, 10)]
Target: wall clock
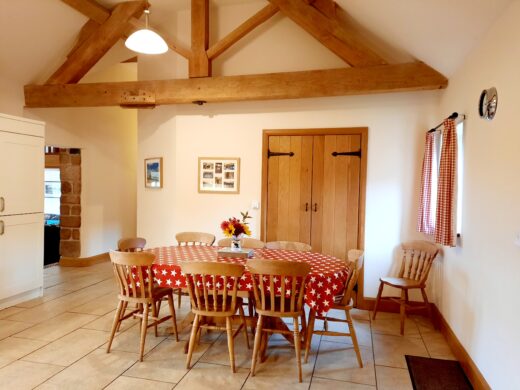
[(488, 102)]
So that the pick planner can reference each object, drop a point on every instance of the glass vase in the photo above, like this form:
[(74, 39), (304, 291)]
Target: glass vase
[(235, 243)]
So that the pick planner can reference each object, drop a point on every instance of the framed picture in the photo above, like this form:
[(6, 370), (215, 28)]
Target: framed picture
[(219, 175), (153, 173)]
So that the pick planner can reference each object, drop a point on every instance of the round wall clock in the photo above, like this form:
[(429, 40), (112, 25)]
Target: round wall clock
[(488, 103)]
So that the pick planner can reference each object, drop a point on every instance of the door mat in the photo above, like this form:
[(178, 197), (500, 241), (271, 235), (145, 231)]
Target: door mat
[(436, 374)]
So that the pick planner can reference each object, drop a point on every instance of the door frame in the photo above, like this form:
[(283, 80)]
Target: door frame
[(363, 132)]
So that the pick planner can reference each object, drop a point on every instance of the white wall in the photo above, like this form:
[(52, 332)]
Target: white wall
[(480, 285), (107, 137)]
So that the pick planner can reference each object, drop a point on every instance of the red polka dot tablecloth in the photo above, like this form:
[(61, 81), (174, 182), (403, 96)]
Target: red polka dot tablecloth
[(326, 279)]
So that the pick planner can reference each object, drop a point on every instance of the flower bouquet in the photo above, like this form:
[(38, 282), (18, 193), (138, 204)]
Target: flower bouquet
[(236, 229)]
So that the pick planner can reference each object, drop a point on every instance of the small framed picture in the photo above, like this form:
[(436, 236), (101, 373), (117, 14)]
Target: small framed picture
[(153, 172), (219, 175)]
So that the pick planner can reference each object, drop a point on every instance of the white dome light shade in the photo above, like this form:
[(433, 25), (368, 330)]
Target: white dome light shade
[(146, 42)]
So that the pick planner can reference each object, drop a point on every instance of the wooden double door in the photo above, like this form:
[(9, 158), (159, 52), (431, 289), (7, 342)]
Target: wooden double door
[(314, 187)]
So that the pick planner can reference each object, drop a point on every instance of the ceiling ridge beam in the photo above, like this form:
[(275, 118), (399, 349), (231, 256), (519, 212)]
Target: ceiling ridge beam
[(199, 63), (238, 33), (330, 33), (98, 13), (90, 51), (414, 76)]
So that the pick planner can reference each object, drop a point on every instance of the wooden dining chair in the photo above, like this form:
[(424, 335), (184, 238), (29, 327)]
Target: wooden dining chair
[(133, 244), (416, 261), (289, 245), (133, 271), (289, 277), (343, 302), (213, 288), (246, 243), (191, 238)]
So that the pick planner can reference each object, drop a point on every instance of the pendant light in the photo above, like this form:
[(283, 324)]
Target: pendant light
[(146, 41)]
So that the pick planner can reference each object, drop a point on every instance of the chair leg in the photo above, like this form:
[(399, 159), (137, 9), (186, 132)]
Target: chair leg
[(231, 344), (310, 330), (193, 336), (428, 307), (403, 309), (352, 332), (179, 292), (123, 310), (244, 322), (115, 324), (155, 315), (174, 318), (297, 347), (144, 327), (379, 293), (304, 326), (256, 347)]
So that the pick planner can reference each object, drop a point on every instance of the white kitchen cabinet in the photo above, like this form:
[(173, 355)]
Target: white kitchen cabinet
[(21, 209)]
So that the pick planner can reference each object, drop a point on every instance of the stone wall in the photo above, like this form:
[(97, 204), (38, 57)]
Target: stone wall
[(70, 210)]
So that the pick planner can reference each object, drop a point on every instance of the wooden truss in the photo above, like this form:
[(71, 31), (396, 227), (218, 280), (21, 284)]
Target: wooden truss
[(367, 71)]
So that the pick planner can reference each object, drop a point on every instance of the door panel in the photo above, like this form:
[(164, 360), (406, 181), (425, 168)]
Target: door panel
[(288, 191)]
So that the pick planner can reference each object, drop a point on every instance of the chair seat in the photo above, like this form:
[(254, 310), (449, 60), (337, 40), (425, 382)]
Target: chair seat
[(401, 282)]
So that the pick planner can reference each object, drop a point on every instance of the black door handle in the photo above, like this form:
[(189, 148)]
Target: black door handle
[(315, 207), (306, 206)]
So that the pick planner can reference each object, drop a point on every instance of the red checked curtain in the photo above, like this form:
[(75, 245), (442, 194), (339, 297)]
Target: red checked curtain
[(425, 223), (445, 222)]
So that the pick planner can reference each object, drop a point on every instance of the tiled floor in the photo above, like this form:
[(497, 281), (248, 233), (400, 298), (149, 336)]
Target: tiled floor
[(58, 342)]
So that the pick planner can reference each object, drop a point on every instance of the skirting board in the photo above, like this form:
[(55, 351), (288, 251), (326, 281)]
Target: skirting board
[(470, 368), (25, 296), (84, 261)]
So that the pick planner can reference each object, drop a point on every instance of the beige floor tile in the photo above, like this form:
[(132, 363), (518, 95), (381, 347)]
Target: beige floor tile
[(339, 361), (327, 384), (389, 378), (105, 323), (205, 376), (437, 346), (129, 340), (363, 315), (13, 348), (10, 311), (424, 324), (99, 306), (69, 348), (8, 328), (218, 352), (362, 328), (280, 370), (49, 294), (94, 371), (127, 383), (57, 327), (390, 350), (390, 323), (166, 362), (21, 375)]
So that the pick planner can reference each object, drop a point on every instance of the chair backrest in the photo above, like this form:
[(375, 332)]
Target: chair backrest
[(289, 245), (133, 272), (355, 263), (417, 260), (285, 278), (212, 286), (133, 244), (252, 243), (247, 243), (195, 238)]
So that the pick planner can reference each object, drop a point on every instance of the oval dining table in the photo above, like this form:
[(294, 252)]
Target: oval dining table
[(325, 281)]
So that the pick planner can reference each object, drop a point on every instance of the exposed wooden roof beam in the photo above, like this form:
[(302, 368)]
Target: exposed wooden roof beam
[(98, 13), (330, 33), (326, 7), (199, 64), (414, 76), (249, 25), (90, 51)]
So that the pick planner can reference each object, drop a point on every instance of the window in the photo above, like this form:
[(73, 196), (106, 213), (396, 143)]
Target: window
[(52, 196)]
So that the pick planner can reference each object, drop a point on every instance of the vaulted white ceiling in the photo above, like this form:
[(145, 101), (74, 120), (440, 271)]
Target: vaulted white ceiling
[(36, 35)]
